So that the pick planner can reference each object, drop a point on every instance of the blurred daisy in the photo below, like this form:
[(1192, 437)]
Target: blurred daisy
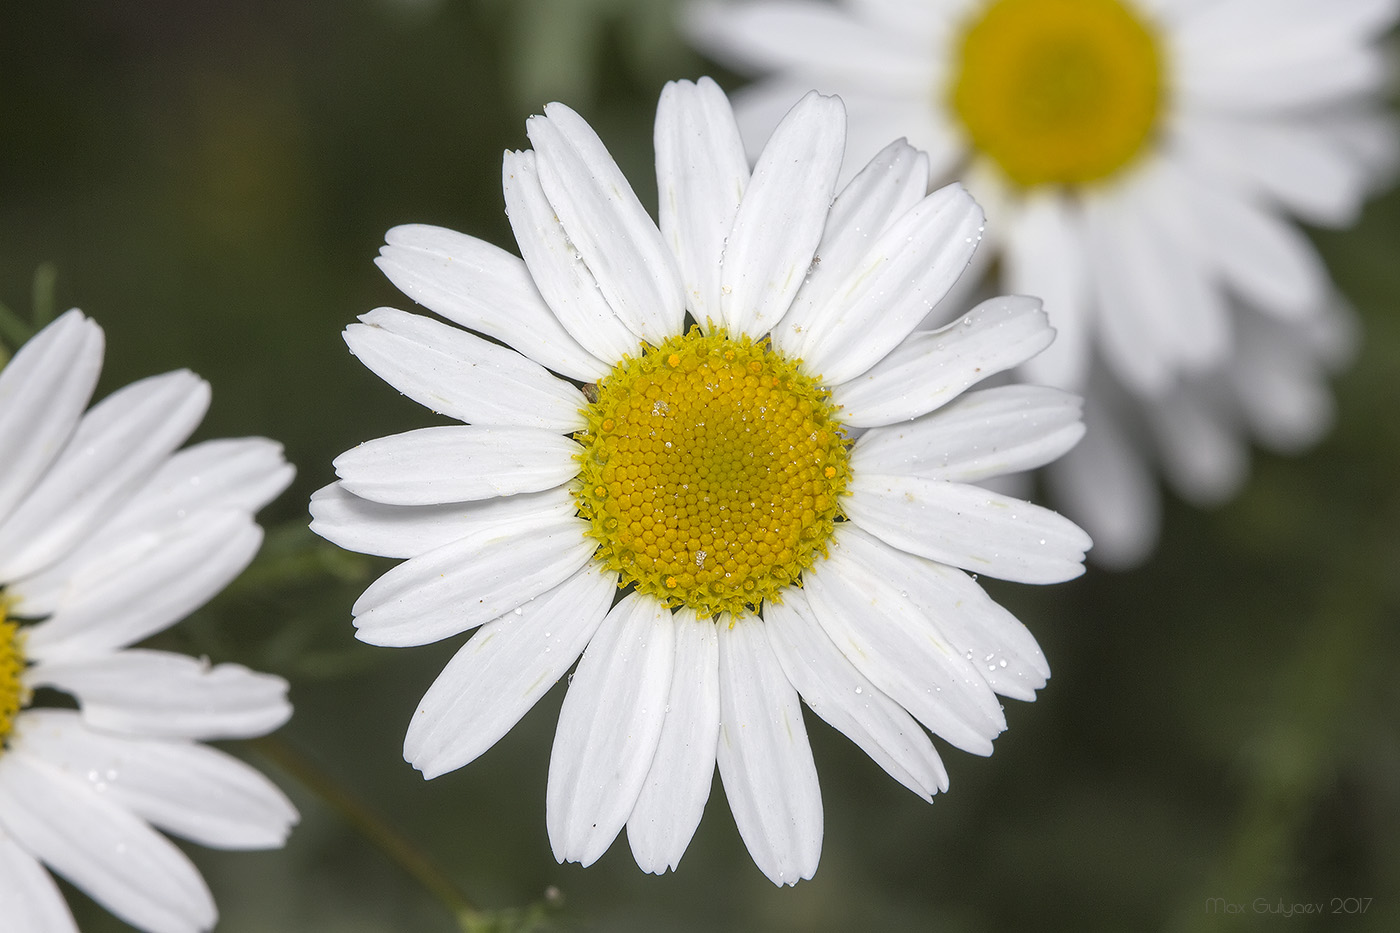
[(109, 535), (1137, 159), (710, 472)]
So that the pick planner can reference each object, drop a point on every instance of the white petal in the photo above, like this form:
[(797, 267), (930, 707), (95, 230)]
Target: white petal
[(1269, 262), (100, 847), (471, 581), (1302, 164), (810, 39), (1281, 385), (765, 760), (503, 670), (609, 727), (486, 289), (846, 698), (1204, 453), (1002, 430), (1045, 256), (887, 637), (431, 466), (968, 527), (1158, 312), (1106, 485), (43, 390), (356, 524), (672, 800), (1004, 653), (144, 586), (782, 215), (559, 271), (932, 367), (1276, 81), (607, 224), (115, 447), (701, 173), (227, 474), (163, 695), (905, 273), (886, 188), (185, 788), (29, 899), (461, 375)]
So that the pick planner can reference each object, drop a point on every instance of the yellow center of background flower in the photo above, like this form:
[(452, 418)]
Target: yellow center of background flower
[(1058, 91), (712, 472), (13, 695)]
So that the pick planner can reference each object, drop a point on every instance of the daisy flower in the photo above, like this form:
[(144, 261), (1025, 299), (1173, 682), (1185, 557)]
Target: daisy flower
[(1139, 160), (108, 534), (711, 472)]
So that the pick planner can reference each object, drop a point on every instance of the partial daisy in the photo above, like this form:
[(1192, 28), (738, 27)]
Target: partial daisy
[(109, 534), (1139, 160), (670, 413)]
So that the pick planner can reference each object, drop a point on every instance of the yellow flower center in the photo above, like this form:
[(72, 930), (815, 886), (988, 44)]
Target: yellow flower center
[(1059, 91), (712, 472), (13, 694)]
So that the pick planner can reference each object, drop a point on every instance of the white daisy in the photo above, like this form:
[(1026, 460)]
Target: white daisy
[(109, 535), (709, 472), (1138, 160)]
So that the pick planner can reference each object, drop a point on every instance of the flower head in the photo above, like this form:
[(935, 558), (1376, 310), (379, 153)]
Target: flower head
[(1138, 160), (765, 460), (108, 535)]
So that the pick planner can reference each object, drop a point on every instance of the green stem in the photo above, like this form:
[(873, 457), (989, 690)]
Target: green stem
[(375, 828)]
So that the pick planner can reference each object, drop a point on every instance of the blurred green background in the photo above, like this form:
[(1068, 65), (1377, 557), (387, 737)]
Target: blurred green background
[(211, 181)]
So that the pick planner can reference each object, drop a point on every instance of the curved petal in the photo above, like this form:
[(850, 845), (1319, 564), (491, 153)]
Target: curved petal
[(886, 188), (672, 799), (356, 524), (782, 215), (1045, 255), (159, 694), (1002, 430), (470, 581), (43, 390), (185, 788), (1004, 653), (461, 375), (609, 727), (455, 463), (100, 847), (906, 271), (811, 39), (227, 474), (484, 288), (701, 174), (968, 527), (503, 670), (116, 446), (765, 760), (29, 899), (930, 368), (607, 224), (1105, 483), (559, 271), (846, 699), (148, 584), (887, 637)]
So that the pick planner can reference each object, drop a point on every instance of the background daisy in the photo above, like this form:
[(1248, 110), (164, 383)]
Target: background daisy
[(708, 471), (216, 178), (108, 535), (1139, 160)]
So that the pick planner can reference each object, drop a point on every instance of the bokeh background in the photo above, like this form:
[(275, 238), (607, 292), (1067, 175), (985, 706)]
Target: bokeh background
[(210, 180)]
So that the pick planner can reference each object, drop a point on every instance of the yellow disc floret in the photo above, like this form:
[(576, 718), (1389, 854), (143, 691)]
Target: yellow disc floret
[(712, 472), (13, 694), (1059, 91)]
